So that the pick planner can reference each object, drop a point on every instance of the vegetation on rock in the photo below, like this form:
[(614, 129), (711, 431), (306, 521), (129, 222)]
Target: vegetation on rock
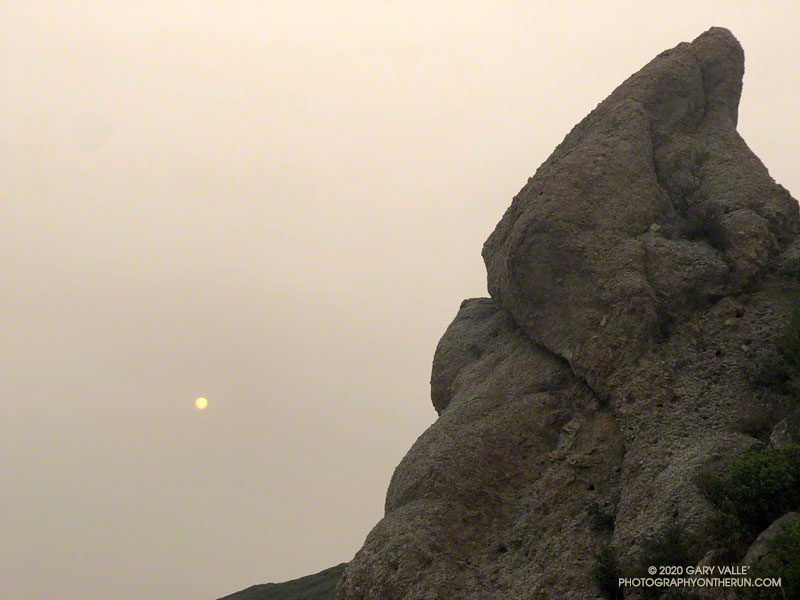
[(780, 370), (757, 487)]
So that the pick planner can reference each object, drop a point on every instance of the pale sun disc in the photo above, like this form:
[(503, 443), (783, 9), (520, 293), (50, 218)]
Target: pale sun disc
[(201, 403)]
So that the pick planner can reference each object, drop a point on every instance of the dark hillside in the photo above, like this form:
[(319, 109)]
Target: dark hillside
[(320, 586)]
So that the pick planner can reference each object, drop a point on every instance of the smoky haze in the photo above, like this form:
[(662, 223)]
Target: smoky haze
[(278, 206)]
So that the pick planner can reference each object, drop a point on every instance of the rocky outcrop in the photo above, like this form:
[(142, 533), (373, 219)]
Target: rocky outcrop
[(634, 281), (651, 207), (761, 554)]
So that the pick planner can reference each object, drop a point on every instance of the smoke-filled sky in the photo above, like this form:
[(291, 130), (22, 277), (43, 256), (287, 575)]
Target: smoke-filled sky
[(278, 206)]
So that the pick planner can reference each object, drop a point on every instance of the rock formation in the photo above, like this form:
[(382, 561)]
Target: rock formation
[(635, 280)]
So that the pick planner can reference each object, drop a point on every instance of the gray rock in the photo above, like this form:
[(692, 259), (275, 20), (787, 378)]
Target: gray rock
[(663, 149), (610, 368), (480, 329), (758, 555), (780, 434), (519, 443), (787, 430)]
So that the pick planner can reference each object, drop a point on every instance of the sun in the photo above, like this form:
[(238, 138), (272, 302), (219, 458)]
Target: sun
[(201, 403)]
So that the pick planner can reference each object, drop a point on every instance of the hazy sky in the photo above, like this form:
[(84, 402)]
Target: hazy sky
[(278, 206)]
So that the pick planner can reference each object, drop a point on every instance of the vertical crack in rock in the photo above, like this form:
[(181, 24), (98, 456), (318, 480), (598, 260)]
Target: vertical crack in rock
[(629, 279)]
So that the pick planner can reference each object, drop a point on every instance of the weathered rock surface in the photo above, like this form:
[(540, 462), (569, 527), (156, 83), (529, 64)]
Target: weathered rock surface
[(634, 281), (760, 553), (578, 243)]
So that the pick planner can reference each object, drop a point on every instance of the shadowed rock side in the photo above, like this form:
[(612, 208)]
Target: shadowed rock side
[(320, 586), (469, 505), (635, 279)]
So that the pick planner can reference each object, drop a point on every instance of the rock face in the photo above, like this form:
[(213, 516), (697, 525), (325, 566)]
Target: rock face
[(634, 281), (759, 554), (651, 207)]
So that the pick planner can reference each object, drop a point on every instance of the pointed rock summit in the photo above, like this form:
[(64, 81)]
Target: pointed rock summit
[(652, 206), (635, 281)]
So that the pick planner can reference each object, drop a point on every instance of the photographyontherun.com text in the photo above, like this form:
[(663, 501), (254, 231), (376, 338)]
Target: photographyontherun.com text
[(702, 576)]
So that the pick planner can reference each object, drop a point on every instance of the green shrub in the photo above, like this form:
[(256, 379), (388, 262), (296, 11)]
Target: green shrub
[(757, 487), (780, 370), (788, 348)]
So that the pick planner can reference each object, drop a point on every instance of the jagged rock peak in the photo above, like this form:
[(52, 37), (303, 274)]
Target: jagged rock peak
[(651, 206)]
